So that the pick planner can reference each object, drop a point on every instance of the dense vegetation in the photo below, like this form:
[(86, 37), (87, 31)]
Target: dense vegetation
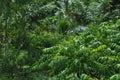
[(59, 39)]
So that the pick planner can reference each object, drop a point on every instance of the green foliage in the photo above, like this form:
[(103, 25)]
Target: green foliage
[(90, 53), (64, 26), (115, 77), (38, 41)]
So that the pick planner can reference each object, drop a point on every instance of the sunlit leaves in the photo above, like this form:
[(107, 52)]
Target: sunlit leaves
[(115, 77)]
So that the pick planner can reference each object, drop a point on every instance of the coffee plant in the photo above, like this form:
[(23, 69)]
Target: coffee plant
[(59, 40)]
